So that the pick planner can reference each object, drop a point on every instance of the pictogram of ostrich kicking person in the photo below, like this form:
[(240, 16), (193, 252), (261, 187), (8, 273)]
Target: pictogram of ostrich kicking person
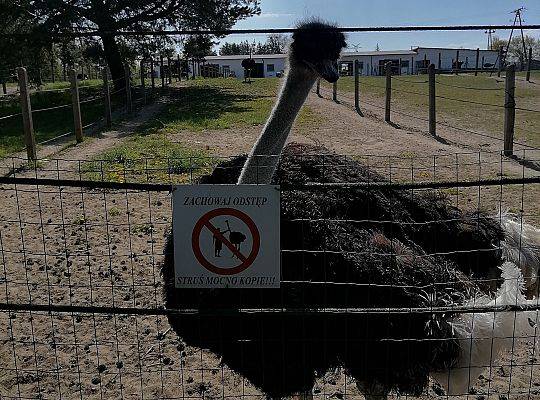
[(236, 238)]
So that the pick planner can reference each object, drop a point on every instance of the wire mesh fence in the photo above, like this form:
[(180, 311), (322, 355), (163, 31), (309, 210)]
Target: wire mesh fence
[(82, 244)]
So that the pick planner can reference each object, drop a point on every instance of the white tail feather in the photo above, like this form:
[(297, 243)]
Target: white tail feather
[(484, 336), (521, 246)]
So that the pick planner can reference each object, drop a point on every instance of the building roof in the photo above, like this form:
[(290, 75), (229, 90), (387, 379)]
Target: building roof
[(379, 53), (416, 48), (344, 54), (242, 56)]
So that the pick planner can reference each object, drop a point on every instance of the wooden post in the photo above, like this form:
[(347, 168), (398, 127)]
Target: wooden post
[(509, 110), (356, 86), (161, 74), (143, 87), (457, 62), (26, 110), (439, 63), (77, 123), (4, 86), (529, 62), (501, 63), (318, 87), (107, 96), (432, 110), (127, 75), (152, 72), (388, 91), (477, 61), (412, 65), (399, 69), (334, 91)]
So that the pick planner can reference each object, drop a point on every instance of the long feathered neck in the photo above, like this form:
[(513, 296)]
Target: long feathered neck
[(264, 157)]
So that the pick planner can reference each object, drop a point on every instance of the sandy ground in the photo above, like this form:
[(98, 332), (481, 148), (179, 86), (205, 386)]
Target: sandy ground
[(71, 246)]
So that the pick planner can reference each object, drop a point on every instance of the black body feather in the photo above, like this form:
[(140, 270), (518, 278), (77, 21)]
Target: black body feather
[(282, 353)]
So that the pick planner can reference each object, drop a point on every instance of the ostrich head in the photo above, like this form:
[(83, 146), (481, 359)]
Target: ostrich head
[(314, 52), (316, 46)]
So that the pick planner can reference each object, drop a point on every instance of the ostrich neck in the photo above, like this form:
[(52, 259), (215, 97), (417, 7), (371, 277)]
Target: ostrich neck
[(264, 157)]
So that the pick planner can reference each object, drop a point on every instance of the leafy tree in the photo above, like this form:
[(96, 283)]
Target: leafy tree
[(515, 50), (234, 49), (113, 16), (196, 48), (275, 44)]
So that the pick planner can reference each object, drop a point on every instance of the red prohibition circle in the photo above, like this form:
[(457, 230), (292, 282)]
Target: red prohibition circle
[(205, 221)]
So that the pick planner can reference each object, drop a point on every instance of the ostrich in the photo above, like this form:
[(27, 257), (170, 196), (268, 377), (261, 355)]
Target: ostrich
[(236, 238), (331, 260)]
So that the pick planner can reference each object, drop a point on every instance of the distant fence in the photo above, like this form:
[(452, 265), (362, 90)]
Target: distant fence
[(131, 94), (509, 106)]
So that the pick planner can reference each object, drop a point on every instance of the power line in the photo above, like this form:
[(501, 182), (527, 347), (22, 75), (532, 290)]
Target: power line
[(277, 30)]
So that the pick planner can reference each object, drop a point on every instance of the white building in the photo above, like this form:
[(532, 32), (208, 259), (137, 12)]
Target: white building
[(266, 65), (403, 62)]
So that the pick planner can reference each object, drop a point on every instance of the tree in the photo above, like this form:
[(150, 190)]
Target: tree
[(196, 48), (111, 17), (275, 44), (516, 53), (31, 50), (235, 49)]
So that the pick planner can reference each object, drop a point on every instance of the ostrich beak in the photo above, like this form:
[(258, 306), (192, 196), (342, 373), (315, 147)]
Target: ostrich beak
[(328, 70)]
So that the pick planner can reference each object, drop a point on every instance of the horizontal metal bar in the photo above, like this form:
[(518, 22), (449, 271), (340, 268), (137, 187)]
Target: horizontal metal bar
[(458, 309), (220, 32), (163, 187)]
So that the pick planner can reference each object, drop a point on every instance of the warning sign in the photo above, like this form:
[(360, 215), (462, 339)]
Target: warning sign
[(226, 236)]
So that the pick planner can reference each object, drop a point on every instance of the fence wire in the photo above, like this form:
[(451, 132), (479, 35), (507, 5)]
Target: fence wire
[(81, 247)]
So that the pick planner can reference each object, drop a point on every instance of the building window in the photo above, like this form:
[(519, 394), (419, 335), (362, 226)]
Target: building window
[(269, 67)]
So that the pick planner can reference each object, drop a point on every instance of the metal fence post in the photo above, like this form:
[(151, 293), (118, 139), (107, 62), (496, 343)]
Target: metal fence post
[(334, 91), (388, 91), (127, 75), (77, 123), (432, 110), (318, 87), (143, 88), (509, 110), (477, 61), (501, 53), (152, 77), (26, 110), (161, 74), (169, 70), (356, 86), (179, 68), (529, 62), (107, 96)]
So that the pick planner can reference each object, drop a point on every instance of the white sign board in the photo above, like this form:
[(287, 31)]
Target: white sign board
[(226, 236)]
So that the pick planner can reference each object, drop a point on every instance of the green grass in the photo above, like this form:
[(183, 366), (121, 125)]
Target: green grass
[(48, 124), (215, 104), (148, 157), (484, 119), (204, 104)]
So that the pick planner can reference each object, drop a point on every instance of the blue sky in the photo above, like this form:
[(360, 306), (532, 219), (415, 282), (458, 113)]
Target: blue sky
[(285, 13)]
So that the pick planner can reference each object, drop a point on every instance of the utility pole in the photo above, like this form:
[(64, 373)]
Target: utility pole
[(489, 33), (518, 21)]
